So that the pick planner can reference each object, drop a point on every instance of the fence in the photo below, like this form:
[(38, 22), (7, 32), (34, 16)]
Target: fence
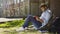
[(19, 8)]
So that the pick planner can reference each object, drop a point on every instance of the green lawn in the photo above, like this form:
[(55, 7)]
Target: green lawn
[(10, 27)]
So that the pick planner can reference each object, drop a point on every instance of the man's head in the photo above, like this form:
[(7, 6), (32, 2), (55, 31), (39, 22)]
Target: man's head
[(43, 7)]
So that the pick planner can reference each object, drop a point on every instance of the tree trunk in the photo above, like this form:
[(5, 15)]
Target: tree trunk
[(55, 7)]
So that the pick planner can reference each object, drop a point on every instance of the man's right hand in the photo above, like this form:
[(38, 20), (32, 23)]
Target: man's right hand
[(38, 19), (35, 17)]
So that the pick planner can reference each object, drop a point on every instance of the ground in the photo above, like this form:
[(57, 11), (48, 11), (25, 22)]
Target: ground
[(12, 31)]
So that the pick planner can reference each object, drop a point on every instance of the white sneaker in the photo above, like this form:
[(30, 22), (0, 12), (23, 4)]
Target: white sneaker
[(35, 28), (20, 29), (43, 31)]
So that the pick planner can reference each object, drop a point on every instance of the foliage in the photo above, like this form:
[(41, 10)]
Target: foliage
[(12, 24)]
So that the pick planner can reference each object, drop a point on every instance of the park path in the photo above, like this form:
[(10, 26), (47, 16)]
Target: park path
[(9, 19)]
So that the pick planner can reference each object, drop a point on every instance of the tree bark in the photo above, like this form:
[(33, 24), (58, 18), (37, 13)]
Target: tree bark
[(55, 7)]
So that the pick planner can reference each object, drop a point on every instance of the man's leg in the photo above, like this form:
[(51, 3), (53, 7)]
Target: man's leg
[(29, 19)]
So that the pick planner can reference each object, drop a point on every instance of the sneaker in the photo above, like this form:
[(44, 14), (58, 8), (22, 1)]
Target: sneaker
[(20, 29), (43, 31), (35, 28)]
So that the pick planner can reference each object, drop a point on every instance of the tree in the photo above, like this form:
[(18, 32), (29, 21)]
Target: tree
[(55, 7)]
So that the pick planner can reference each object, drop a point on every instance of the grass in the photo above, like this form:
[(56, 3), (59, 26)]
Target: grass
[(9, 28), (14, 23), (24, 32)]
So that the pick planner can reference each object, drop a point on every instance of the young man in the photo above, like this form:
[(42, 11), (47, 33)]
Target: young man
[(38, 22)]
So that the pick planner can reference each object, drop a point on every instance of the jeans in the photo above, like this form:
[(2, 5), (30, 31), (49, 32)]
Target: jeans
[(31, 19)]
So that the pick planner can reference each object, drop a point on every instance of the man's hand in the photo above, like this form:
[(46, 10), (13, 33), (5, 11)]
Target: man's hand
[(38, 19)]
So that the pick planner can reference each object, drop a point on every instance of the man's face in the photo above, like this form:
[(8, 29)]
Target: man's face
[(43, 8)]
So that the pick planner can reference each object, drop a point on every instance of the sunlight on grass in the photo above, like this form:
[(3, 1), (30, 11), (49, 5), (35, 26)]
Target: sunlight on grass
[(10, 27)]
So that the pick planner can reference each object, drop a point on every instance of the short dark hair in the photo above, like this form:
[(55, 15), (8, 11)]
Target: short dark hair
[(43, 6)]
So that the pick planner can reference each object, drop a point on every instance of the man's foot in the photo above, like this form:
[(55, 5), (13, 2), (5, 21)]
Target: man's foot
[(20, 29), (33, 27), (43, 31)]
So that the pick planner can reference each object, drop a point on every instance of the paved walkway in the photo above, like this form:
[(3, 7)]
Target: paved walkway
[(9, 19)]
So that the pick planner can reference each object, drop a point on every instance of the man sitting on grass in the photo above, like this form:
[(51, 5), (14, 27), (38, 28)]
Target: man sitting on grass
[(38, 22)]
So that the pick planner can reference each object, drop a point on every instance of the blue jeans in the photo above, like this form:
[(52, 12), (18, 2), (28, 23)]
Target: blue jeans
[(31, 19)]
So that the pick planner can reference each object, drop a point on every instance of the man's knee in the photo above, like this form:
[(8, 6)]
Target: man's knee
[(29, 15)]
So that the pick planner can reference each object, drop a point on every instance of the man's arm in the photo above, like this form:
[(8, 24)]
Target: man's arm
[(38, 19)]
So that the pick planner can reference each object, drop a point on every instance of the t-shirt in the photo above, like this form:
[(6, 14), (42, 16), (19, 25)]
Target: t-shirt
[(45, 16)]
